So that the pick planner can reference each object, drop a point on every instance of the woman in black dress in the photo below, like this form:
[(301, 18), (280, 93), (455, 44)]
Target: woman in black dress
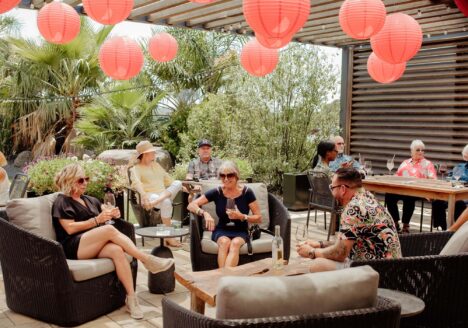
[(79, 223), (231, 231)]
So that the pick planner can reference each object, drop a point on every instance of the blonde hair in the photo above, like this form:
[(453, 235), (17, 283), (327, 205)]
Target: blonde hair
[(3, 160), (66, 178), (231, 167), (465, 151)]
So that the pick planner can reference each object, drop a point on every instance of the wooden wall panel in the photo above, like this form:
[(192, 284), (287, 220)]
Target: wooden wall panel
[(430, 102)]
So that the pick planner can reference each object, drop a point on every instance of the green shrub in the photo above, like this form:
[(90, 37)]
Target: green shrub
[(102, 175)]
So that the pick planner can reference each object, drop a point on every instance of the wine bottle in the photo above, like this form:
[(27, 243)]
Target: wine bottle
[(277, 250)]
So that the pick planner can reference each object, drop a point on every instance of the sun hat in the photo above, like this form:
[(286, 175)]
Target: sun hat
[(3, 161), (144, 147)]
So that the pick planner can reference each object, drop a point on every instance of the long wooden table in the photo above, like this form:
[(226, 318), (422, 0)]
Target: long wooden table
[(203, 285), (424, 188)]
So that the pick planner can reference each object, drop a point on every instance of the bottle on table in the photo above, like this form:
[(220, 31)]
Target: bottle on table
[(277, 250)]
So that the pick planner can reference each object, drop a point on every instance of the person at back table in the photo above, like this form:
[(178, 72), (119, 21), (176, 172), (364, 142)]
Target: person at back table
[(205, 166), (155, 185), (367, 229), (341, 159), (439, 216), (326, 152), (4, 182), (231, 232), (419, 167)]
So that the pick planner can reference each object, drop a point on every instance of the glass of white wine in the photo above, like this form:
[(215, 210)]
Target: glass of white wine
[(390, 166), (302, 233), (109, 204), (230, 205)]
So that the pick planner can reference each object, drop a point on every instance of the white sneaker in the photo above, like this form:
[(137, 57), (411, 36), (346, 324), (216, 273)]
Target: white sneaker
[(156, 264), (134, 308)]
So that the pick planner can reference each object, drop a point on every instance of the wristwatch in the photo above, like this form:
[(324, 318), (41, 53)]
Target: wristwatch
[(244, 218)]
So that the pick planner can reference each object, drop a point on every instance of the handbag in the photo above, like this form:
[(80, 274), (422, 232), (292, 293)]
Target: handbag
[(254, 233)]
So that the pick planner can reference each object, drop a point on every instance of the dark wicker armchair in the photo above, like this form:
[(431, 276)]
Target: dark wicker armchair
[(203, 261), (441, 281), (38, 282), (385, 314)]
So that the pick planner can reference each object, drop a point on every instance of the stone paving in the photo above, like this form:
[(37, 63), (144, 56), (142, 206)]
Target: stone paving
[(151, 303)]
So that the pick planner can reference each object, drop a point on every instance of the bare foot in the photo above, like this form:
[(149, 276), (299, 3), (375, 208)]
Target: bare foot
[(172, 242)]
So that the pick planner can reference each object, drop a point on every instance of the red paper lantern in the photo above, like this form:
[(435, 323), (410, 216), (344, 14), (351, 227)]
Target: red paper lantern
[(463, 6), (273, 43), (382, 71), (276, 20), (399, 40), (58, 22), (108, 12), (361, 19), (258, 60), (6, 5), (121, 58), (163, 47)]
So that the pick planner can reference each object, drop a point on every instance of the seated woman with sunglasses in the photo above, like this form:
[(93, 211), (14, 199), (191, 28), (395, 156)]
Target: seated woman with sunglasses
[(79, 222), (233, 203)]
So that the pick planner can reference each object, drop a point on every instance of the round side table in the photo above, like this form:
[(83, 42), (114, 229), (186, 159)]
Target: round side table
[(162, 282)]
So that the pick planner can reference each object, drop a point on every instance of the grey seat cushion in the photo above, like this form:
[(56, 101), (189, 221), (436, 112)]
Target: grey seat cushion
[(458, 243), (260, 297), (87, 269), (262, 245), (33, 214), (260, 191)]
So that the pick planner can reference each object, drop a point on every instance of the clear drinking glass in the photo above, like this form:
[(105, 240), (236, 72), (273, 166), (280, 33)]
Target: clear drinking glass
[(302, 233), (457, 172), (390, 166), (230, 205), (109, 204), (368, 167)]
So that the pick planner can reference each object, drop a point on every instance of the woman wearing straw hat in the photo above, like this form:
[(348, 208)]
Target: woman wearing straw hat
[(155, 185), (4, 182)]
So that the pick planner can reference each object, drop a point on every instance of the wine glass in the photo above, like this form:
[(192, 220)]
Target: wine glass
[(109, 204), (390, 166), (302, 233), (230, 205), (368, 166), (457, 172), (443, 169)]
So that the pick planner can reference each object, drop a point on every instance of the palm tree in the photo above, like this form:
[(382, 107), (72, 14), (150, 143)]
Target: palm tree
[(48, 83)]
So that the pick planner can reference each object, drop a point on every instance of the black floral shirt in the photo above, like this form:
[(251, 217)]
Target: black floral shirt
[(369, 224)]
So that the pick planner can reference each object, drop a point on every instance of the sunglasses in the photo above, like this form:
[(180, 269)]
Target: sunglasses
[(82, 180), (229, 176), (337, 186)]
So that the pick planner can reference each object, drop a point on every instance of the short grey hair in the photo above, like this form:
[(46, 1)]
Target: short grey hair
[(465, 150), (229, 166), (416, 143)]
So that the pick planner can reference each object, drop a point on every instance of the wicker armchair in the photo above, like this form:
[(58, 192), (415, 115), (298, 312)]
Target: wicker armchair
[(439, 280), (385, 314), (203, 261), (38, 282)]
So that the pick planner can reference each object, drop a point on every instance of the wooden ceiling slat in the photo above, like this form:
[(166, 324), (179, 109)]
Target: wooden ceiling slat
[(436, 89)]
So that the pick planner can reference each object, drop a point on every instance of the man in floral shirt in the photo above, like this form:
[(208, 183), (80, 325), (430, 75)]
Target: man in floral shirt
[(367, 229)]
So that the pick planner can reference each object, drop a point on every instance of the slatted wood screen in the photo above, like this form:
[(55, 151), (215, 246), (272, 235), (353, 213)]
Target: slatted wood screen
[(430, 102)]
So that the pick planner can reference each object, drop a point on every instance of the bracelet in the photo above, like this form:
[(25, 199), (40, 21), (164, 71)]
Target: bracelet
[(321, 243), (312, 254), (245, 218), (95, 222)]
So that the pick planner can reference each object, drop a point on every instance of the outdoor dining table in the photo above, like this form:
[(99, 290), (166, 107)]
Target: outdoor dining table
[(423, 188)]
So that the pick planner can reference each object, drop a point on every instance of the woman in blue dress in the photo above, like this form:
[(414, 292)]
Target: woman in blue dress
[(233, 203)]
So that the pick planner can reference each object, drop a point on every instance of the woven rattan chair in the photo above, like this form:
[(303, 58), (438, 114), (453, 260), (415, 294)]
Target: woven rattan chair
[(203, 261), (38, 282), (439, 280), (385, 314)]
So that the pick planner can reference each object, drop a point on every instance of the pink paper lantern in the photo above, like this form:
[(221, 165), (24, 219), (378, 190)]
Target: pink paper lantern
[(258, 60), (361, 19), (163, 47), (276, 20), (399, 40), (382, 71), (121, 58), (108, 12), (7, 5), (273, 43), (58, 22), (463, 6)]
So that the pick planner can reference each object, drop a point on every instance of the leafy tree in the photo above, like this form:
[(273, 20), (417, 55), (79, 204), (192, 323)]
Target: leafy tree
[(118, 119)]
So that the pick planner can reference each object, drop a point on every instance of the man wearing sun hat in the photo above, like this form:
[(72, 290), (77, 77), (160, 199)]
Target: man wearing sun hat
[(155, 185), (205, 166), (4, 182)]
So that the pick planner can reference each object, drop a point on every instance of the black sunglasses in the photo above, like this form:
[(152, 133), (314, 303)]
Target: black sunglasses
[(82, 180), (337, 186), (223, 176)]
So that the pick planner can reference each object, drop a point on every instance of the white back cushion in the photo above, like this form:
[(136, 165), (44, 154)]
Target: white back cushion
[(33, 214), (458, 243), (260, 297)]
